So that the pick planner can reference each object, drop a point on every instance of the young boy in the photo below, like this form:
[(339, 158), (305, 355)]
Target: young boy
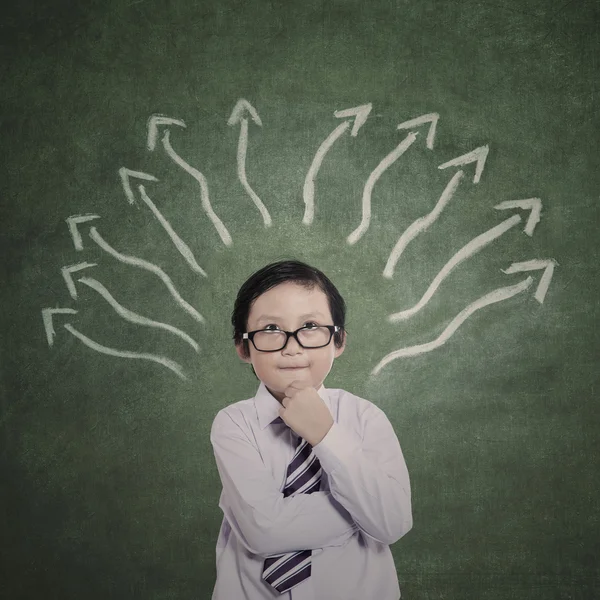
[(315, 487)]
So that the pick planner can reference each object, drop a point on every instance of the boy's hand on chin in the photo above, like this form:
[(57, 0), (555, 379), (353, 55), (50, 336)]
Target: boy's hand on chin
[(305, 412)]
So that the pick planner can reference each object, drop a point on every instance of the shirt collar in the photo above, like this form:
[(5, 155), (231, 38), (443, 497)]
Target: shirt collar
[(267, 406)]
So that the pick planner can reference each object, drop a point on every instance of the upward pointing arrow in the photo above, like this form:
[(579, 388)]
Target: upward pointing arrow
[(431, 118), (478, 155), (154, 122), (242, 108), (357, 115), (126, 174), (536, 265)]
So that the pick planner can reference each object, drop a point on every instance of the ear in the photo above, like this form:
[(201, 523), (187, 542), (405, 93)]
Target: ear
[(339, 351), (239, 349)]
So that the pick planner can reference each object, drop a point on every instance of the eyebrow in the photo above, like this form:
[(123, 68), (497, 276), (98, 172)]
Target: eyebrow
[(274, 318)]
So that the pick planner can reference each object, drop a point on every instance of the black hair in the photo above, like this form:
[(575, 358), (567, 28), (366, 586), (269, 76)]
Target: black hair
[(280, 272)]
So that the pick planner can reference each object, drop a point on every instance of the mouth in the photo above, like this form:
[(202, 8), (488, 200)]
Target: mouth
[(292, 368)]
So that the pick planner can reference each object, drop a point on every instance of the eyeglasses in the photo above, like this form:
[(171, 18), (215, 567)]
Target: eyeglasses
[(272, 340)]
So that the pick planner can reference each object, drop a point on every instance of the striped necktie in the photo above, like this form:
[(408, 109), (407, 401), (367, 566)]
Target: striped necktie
[(285, 571)]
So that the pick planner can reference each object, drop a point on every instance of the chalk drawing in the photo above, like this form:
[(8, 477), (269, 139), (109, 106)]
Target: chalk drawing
[(242, 108), (358, 116), (144, 264), (353, 120), (153, 123)]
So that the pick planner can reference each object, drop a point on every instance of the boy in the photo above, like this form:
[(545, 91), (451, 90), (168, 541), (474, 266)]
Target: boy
[(315, 487)]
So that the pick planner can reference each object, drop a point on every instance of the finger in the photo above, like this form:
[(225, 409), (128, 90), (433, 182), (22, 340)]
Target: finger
[(285, 402), (296, 386)]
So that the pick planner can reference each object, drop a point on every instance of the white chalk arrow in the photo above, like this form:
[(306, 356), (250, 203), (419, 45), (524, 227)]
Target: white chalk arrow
[(431, 118), (389, 160), (357, 115), (47, 317), (47, 314), (497, 295), (199, 177), (131, 260), (420, 225), (532, 204), (468, 250), (144, 264), (478, 155), (154, 122), (534, 265), (238, 116), (134, 317), (67, 273), (126, 174), (73, 221), (423, 223)]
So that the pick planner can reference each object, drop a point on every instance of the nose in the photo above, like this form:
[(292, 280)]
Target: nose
[(292, 346)]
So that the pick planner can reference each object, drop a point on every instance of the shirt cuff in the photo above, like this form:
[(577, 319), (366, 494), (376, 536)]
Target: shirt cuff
[(336, 448)]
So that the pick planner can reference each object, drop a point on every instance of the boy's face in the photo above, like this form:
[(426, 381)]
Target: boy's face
[(290, 306)]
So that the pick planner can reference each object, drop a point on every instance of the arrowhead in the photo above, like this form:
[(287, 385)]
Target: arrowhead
[(535, 265), (75, 220), (478, 155), (125, 175), (431, 118), (360, 114), (240, 109), (153, 122), (67, 276), (47, 318), (532, 204)]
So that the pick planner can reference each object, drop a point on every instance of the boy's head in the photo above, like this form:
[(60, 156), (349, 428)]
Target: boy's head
[(285, 296)]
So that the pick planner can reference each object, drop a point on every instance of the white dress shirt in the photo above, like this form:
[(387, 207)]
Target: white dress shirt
[(364, 504)]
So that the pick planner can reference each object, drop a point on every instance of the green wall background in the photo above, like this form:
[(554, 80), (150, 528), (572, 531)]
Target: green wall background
[(108, 484)]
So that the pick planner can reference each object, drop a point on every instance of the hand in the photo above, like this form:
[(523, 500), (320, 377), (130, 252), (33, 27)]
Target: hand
[(305, 412)]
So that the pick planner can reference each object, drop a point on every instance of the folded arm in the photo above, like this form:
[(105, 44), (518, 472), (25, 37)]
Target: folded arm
[(368, 476), (264, 521)]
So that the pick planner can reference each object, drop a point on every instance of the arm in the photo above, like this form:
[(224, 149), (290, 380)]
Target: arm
[(264, 521), (369, 476)]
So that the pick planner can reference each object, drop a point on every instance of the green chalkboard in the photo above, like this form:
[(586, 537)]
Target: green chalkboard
[(437, 160)]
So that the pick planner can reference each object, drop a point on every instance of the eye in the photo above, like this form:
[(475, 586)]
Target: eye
[(269, 325), (313, 323)]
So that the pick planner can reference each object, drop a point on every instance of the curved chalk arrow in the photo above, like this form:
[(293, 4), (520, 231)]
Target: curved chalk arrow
[(143, 264), (73, 221), (47, 314), (184, 249), (474, 246), (468, 250), (153, 122), (495, 296), (478, 155), (238, 115), (127, 314), (534, 265), (532, 204), (67, 273), (388, 161), (421, 224), (134, 317), (358, 116)]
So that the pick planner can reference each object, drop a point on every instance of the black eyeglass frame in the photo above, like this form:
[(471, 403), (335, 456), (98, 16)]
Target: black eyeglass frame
[(249, 335)]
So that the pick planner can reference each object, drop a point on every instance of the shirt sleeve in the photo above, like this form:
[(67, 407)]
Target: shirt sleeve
[(264, 521), (369, 476)]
